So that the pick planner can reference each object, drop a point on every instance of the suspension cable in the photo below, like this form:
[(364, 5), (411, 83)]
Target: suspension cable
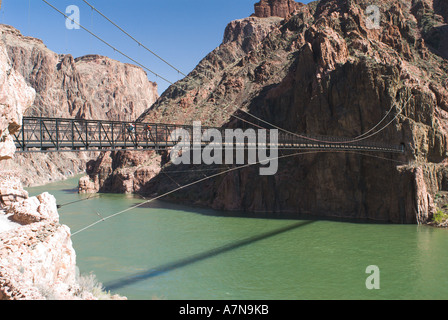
[(108, 44), (81, 200), (133, 38), (356, 139), (184, 187), (214, 176)]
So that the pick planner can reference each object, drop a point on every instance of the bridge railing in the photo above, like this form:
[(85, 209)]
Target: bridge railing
[(75, 134), (41, 134), (331, 142)]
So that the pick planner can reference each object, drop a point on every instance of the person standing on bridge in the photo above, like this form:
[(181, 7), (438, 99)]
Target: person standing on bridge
[(148, 130), (131, 129)]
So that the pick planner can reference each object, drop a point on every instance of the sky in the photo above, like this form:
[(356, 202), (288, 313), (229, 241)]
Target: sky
[(181, 32)]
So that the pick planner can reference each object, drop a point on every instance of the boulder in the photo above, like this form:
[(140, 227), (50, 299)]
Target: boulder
[(35, 209)]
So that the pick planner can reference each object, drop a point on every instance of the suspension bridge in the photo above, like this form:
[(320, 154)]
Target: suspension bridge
[(64, 135), (39, 134)]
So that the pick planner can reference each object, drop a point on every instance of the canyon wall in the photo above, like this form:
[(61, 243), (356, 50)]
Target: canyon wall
[(15, 97), (37, 259), (324, 71), (17, 277), (198, 97), (89, 87)]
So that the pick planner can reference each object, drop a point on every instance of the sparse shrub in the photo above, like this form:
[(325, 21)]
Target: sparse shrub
[(46, 292), (90, 284), (439, 217)]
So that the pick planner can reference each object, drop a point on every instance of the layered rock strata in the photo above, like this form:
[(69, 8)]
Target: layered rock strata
[(121, 172), (88, 87), (326, 71), (276, 8)]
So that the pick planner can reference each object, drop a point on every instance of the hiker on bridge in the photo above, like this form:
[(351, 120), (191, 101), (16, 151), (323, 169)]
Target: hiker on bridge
[(131, 129), (148, 130)]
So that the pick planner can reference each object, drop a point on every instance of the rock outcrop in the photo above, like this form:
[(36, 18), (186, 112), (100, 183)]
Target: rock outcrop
[(121, 172), (276, 8), (11, 189), (325, 71), (246, 34), (37, 259), (37, 263), (89, 87), (15, 97)]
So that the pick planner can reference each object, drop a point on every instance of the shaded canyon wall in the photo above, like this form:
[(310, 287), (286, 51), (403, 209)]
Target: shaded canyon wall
[(323, 71)]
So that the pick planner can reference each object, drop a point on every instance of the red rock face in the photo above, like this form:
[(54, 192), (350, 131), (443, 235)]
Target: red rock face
[(116, 171), (324, 72), (52, 85), (275, 8), (89, 87)]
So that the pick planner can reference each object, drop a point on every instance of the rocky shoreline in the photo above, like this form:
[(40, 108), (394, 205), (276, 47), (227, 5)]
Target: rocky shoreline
[(37, 259)]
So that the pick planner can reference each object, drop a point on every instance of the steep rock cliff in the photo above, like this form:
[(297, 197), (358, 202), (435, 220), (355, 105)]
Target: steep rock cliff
[(323, 71), (15, 97), (37, 259), (121, 172), (276, 8), (200, 95), (89, 87), (18, 264)]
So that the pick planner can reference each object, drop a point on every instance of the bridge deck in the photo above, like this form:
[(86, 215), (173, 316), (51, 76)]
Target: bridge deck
[(61, 135)]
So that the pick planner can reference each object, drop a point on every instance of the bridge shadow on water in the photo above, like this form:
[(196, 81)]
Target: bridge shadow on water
[(162, 269)]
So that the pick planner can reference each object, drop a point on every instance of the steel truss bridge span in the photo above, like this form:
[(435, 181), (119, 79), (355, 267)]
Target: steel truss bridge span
[(66, 135)]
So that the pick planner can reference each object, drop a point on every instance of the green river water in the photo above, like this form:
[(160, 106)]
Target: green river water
[(165, 251)]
